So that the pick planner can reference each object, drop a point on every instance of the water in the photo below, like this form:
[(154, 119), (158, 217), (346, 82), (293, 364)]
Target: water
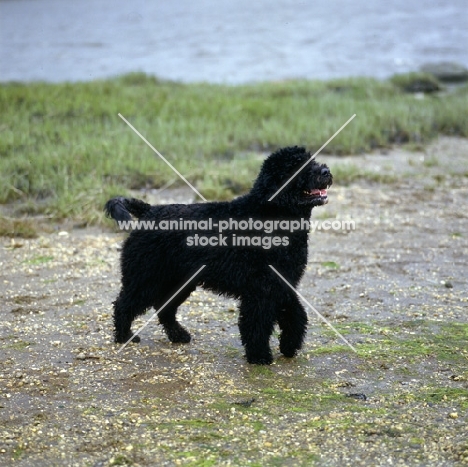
[(227, 41)]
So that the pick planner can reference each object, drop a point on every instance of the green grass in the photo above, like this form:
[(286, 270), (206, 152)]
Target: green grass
[(64, 150), (120, 459), (348, 173), (40, 260), (416, 82), (17, 345), (438, 395), (23, 227), (415, 340), (18, 452)]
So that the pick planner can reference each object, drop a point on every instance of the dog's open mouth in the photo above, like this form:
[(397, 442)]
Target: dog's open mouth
[(316, 193)]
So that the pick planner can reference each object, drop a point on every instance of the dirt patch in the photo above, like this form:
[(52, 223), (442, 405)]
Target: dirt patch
[(395, 287)]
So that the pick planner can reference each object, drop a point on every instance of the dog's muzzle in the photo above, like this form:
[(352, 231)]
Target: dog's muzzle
[(317, 194)]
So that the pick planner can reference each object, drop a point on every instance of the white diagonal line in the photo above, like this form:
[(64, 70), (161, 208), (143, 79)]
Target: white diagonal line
[(162, 157), (312, 158), (313, 309), (157, 311)]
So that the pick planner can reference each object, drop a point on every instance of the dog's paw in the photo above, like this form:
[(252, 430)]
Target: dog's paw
[(260, 360), (126, 338), (289, 347), (177, 334), (288, 351)]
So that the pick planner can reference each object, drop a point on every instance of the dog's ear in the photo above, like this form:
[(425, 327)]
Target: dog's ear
[(115, 208)]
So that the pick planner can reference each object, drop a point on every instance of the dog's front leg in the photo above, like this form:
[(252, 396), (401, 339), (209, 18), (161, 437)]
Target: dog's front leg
[(256, 323), (292, 320)]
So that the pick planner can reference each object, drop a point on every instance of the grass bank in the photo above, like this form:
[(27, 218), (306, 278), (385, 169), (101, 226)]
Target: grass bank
[(64, 150)]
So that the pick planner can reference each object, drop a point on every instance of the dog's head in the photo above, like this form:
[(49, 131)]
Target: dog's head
[(291, 179)]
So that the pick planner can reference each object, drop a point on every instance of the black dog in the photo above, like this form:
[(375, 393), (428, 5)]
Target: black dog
[(156, 263)]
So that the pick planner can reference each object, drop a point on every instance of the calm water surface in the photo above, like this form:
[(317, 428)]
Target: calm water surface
[(225, 41)]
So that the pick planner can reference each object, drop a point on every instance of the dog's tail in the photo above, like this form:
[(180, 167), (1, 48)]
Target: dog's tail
[(121, 208)]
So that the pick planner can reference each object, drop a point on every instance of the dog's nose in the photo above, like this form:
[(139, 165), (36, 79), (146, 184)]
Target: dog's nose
[(325, 171)]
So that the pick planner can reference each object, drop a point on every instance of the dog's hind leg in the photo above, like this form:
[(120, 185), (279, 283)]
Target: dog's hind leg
[(167, 317), (126, 308), (292, 320), (256, 322)]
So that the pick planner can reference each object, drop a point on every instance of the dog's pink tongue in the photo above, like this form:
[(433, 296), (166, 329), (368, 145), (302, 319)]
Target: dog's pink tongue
[(319, 192)]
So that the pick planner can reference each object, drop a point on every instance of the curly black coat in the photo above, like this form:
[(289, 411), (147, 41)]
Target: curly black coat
[(156, 263)]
